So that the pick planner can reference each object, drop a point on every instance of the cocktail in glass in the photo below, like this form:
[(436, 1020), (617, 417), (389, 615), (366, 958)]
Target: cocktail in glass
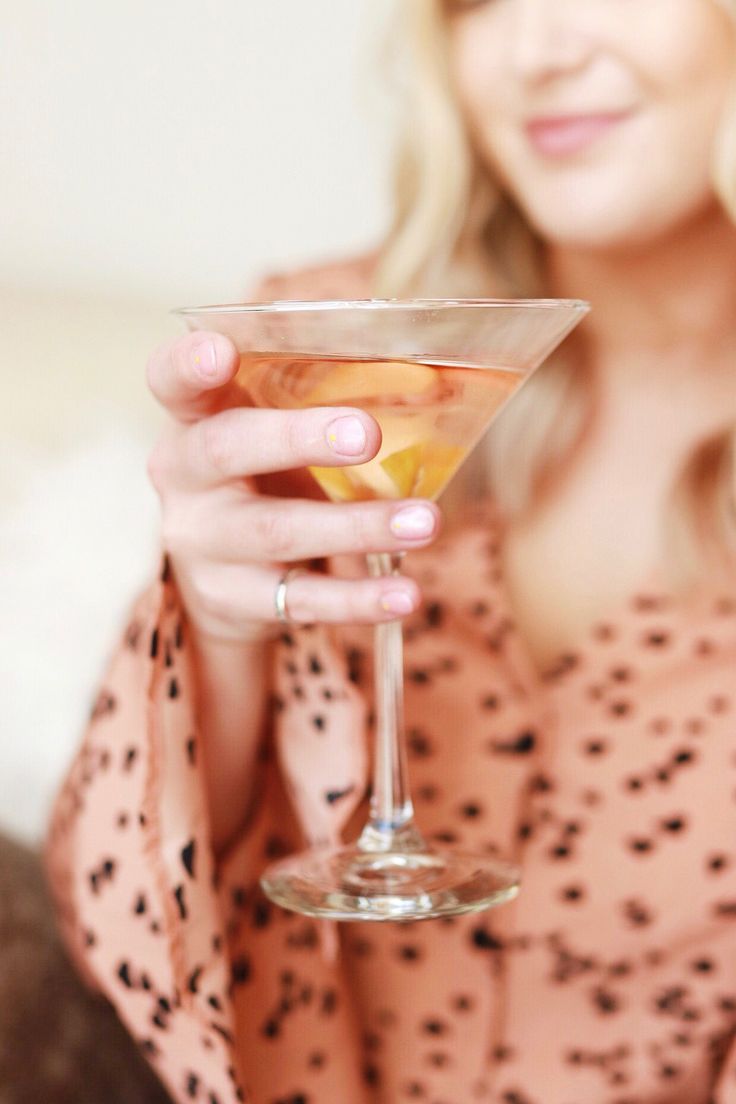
[(433, 373)]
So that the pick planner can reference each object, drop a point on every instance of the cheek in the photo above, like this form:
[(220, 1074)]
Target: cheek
[(638, 184)]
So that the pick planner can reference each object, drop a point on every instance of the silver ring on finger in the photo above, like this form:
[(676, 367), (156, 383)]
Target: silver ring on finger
[(279, 598)]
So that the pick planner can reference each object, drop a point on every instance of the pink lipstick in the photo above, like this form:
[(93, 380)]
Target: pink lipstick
[(564, 135)]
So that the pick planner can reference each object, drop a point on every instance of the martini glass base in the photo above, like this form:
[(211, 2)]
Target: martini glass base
[(348, 883)]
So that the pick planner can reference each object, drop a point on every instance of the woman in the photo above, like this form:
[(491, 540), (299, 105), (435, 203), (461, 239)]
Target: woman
[(569, 671)]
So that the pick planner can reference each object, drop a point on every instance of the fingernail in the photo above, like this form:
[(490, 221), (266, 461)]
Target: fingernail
[(397, 601), (204, 358), (413, 521), (346, 435)]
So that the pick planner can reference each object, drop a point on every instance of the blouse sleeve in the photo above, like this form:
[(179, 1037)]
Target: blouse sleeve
[(144, 906), (146, 909)]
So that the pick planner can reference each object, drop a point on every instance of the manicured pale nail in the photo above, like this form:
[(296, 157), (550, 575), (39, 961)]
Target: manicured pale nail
[(346, 435), (413, 521), (397, 601), (204, 358)]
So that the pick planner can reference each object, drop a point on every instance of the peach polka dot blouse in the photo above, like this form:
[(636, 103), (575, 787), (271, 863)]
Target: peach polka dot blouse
[(611, 780)]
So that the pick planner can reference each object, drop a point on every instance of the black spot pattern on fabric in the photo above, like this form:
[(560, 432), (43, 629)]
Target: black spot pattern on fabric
[(304, 937), (356, 663), (239, 896), (333, 796), (240, 970), (409, 952), (434, 1027), (105, 704), (261, 913), (371, 1074), (605, 1001), (104, 873), (124, 975), (419, 744), (133, 635), (418, 676), (637, 913), (595, 746), (484, 939), (173, 688), (620, 708), (154, 644), (427, 793), (315, 666), (523, 744), (276, 847), (674, 824), (641, 846), (223, 1031), (181, 903), (188, 853)]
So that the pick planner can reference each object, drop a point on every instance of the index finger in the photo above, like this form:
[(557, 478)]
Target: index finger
[(193, 375)]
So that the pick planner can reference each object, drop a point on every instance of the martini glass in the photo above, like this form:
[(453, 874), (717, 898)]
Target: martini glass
[(433, 373)]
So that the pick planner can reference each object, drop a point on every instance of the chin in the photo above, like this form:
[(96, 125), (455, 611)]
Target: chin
[(615, 211), (605, 226)]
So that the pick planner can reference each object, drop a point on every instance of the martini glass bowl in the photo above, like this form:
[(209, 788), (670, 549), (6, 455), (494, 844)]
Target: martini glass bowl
[(434, 374)]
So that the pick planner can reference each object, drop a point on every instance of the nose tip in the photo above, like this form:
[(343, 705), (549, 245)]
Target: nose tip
[(547, 42)]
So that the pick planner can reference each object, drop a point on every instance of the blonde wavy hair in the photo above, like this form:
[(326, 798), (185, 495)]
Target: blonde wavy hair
[(455, 233)]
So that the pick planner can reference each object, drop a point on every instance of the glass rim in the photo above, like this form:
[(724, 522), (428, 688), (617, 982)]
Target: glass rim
[(282, 306)]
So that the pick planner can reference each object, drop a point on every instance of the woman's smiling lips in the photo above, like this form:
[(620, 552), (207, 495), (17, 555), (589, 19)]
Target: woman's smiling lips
[(563, 135)]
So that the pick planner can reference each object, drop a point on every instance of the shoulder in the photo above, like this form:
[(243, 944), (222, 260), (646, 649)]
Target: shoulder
[(347, 278)]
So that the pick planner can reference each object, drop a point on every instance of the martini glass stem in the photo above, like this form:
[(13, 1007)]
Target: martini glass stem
[(391, 824)]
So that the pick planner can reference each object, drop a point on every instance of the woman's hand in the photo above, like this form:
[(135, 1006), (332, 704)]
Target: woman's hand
[(229, 542)]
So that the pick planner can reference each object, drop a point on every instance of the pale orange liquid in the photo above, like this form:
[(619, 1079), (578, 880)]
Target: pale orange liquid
[(431, 415)]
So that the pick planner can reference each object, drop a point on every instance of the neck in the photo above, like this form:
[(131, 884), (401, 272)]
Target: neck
[(669, 306)]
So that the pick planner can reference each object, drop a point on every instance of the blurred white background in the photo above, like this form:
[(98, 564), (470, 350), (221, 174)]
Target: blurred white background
[(155, 153)]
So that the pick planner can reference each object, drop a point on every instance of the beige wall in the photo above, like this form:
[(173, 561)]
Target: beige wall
[(154, 153), (173, 149)]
